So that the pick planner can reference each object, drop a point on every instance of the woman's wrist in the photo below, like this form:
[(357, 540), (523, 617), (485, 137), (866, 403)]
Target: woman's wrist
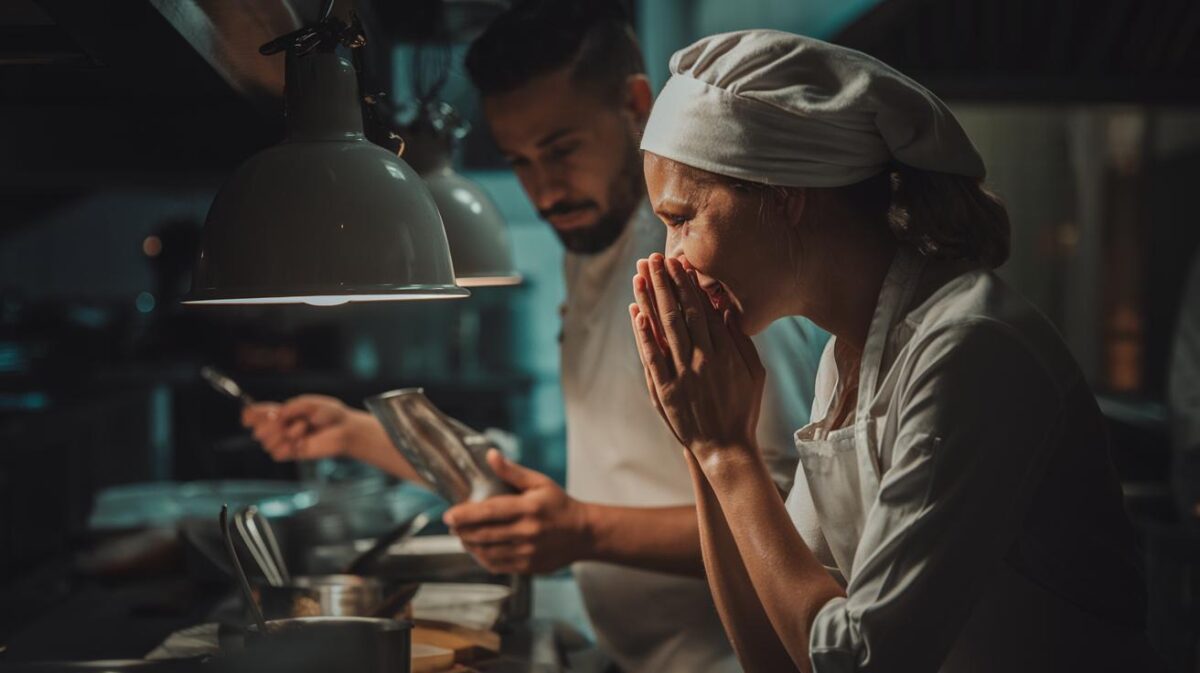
[(726, 465)]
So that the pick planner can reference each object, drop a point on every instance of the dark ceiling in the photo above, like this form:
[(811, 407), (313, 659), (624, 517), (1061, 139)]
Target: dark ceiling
[(1143, 51), (99, 91)]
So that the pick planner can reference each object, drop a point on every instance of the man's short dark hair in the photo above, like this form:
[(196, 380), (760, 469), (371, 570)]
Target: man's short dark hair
[(537, 37)]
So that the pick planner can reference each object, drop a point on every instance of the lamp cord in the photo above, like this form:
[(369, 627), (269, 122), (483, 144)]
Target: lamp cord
[(429, 73), (327, 33), (429, 77)]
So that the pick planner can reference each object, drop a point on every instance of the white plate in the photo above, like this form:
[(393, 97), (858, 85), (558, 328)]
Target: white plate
[(475, 606)]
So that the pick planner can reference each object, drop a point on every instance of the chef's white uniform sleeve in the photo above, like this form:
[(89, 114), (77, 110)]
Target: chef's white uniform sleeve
[(790, 350), (978, 414)]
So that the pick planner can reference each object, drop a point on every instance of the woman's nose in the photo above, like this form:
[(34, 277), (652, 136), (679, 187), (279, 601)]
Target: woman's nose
[(674, 245)]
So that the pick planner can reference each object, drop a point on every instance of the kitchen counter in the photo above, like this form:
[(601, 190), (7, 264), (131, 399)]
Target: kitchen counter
[(51, 615)]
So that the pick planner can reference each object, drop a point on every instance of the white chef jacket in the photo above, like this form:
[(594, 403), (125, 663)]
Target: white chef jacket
[(971, 503), (621, 452)]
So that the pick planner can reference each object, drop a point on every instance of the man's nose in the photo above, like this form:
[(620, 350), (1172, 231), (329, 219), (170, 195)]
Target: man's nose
[(548, 187)]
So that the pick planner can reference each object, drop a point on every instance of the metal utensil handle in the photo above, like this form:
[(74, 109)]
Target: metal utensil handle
[(401, 533), (225, 385), (252, 523), (395, 601), (243, 582), (268, 533), (256, 549), (239, 522)]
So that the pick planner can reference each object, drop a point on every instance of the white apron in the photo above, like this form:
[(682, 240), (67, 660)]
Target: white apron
[(621, 452), (946, 526)]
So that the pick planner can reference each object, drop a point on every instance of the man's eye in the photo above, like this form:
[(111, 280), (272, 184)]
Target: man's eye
[(677, 220), (562, 152)]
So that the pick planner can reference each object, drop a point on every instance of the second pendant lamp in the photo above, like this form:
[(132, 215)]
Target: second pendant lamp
[(475, 229)]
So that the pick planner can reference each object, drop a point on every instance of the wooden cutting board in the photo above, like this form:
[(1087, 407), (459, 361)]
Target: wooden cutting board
[(467, 644), (431, 659)]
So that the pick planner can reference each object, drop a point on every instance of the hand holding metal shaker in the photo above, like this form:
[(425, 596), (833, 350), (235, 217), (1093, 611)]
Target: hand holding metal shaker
[(446, 453)]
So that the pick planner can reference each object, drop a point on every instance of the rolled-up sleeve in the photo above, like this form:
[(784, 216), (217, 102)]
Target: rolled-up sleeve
[(979, 415)]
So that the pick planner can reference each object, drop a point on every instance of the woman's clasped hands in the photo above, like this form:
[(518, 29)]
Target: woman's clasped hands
[(703, 373)]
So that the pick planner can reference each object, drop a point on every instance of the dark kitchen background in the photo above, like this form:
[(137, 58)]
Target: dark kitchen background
[(120, 119)]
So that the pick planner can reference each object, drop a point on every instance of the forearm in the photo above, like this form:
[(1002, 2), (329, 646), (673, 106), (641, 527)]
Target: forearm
[(791, 584), (663, 539), (746, 623), (371, 445)]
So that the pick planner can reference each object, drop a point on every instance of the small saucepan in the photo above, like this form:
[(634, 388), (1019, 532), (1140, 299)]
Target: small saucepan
[(333, 596), (321, 595)]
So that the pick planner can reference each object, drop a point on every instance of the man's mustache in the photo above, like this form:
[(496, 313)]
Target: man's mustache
[(566, 208)]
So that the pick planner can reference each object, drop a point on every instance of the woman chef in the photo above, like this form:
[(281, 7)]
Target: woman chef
[(955, 508)]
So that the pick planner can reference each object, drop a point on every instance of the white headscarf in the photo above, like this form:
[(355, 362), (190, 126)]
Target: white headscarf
[(783, 109)]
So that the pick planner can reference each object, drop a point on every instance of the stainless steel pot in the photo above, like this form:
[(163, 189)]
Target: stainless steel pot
[(321, 595)]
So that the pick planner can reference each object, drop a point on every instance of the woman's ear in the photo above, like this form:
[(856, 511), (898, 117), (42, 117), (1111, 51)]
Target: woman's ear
[(794, 205)]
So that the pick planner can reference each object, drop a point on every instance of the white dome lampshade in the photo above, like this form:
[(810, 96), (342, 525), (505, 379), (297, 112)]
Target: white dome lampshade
[(475, 229), (479, 240), (325, 217)]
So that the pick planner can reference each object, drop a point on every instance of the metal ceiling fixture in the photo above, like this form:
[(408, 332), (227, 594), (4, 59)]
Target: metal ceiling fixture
[(326, 217)]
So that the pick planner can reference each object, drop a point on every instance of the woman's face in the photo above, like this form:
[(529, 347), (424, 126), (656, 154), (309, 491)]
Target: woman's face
[(744, 257)]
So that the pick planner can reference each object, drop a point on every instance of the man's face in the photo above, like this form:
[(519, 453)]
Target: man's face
[(575, 154)]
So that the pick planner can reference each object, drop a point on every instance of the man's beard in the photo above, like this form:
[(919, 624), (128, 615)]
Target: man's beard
[(598, 236), (624, 195)]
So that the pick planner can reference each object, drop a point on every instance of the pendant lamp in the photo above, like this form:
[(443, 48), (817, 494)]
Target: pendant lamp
[(326, 217), (478, 235)]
